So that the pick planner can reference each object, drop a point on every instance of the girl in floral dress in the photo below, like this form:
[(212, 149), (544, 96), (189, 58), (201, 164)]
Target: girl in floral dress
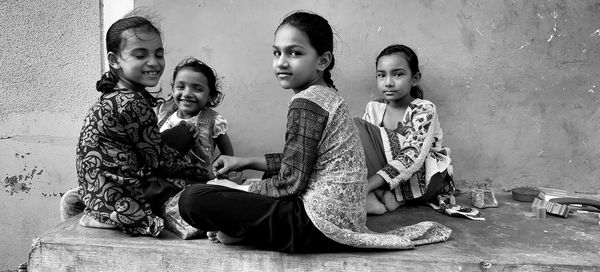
[(125, 172)]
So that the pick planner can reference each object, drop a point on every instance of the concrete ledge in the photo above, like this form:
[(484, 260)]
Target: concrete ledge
[(509, 240)]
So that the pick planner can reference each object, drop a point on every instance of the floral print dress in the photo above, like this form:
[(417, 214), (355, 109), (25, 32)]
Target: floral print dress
[(414, 155), (121, 159)]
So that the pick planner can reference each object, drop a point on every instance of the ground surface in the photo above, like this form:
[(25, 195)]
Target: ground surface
[(509, 240)]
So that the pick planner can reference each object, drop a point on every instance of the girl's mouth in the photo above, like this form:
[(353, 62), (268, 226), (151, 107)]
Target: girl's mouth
[(187, 101), (283, 75), (151, 73)]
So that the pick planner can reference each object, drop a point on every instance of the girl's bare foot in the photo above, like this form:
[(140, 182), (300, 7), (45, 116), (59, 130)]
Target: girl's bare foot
[(390, 201), (374, 206), (89, 222), (228, 240), (219, 237), (212, 236)]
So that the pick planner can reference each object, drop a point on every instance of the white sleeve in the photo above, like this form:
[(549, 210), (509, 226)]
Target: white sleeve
[(220, 126)]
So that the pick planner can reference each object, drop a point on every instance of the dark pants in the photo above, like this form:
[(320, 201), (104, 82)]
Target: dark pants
[(265, 222)]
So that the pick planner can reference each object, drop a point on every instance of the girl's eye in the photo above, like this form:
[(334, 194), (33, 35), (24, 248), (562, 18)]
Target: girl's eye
[(295, 53), (276, 53), (179, 87), (380, 75)]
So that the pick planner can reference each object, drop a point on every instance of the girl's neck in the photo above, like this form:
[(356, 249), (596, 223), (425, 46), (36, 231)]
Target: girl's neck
[(401, 103), (188, 116), (317, 81), (124, 83)]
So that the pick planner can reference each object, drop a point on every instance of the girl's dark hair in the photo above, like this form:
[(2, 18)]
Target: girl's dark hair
[(411, 58), (114, 40), (196, 65), (320, 36)]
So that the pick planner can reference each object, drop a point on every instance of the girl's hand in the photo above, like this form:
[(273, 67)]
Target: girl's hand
[(403, 130), (225, 164), (192, 128), (229, 183)]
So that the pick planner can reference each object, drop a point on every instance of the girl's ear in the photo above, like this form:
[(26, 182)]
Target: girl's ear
[(324, 61), (416, 79), (113, 60)]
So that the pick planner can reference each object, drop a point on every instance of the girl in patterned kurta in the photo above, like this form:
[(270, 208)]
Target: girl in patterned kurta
[(313, 195), (195, 93), (125, 172), (403, 138)]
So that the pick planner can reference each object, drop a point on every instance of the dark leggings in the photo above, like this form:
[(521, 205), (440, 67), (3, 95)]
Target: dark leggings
[(264, 222)]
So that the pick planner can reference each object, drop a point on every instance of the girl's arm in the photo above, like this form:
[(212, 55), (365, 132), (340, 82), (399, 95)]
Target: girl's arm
[(305, 125), (224, 144), (225, 164), (409, 155), (375, 182)]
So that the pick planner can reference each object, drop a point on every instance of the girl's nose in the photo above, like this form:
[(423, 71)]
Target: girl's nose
[(152, 61), (282, 61), (388, 81), (187, 91)]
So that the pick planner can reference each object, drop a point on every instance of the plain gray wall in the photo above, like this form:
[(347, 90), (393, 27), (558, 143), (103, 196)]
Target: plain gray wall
[(516, 83), (49, 64)]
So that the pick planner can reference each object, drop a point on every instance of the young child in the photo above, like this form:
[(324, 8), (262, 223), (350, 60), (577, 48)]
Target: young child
[(403, 138), (313, 195), (125, 172), (195, 93)]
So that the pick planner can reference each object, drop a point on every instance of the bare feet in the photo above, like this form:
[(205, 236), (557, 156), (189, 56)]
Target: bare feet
[(89, 222), (390, 201), (219, 237), (374, 206), (212, 236)]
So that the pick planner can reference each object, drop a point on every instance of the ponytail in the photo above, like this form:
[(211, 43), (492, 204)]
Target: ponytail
[(107, 82), (327, 73), (416, 92)]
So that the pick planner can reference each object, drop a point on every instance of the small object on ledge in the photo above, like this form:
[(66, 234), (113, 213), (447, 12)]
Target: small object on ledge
[(524, 194), (560, 202), (483, 199), (541, 212)]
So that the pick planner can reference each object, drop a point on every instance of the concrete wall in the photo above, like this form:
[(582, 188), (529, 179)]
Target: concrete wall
[(516, 84), (48, 68)]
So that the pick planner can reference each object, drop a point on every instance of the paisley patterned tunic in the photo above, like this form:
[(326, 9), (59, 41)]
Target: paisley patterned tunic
[(324, 163), (414, 155), (119, 156)]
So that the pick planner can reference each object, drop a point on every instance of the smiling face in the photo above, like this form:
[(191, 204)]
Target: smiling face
[(141, 61), (295, 62), (191, 92), (395, 79)]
